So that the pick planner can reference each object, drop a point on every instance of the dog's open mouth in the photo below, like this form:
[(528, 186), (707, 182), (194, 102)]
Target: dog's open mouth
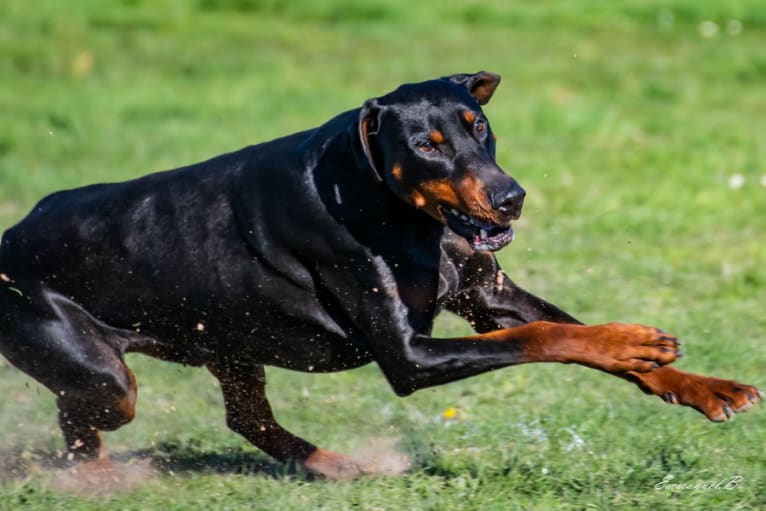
[(481, 234)]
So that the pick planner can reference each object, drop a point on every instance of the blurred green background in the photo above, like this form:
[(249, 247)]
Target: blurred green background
[(637, 128)]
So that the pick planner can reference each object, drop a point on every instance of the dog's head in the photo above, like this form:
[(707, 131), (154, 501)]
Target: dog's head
[(432, 145)]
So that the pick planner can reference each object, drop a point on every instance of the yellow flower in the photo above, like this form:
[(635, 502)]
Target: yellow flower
[(452, 413)]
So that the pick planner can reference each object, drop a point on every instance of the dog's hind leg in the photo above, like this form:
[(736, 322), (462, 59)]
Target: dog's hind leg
[(84, 415), (248, 413), (78, 358)]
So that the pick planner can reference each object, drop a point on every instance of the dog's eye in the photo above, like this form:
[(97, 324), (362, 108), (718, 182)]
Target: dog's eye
[(480, 126), (427, 146)]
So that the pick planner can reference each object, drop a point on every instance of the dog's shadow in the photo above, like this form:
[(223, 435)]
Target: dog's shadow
[(18, 463), (173, 458), (130, 469)]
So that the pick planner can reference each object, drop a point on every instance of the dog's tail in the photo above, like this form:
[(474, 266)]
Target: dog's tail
[(5, 281), (6, 287), (8, 294)]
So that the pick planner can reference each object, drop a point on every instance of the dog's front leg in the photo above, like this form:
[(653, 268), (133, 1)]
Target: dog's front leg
[(481, 293), (497, 302), (419, 361), (489, 304), (248, 412)]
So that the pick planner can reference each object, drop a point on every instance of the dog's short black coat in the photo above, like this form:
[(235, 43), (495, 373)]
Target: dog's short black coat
[(320, 251)]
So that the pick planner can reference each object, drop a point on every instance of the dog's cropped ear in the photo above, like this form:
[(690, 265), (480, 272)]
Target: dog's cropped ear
[(481, 85), (368, 126)]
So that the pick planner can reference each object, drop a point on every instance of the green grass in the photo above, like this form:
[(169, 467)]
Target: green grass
[(623, 122)]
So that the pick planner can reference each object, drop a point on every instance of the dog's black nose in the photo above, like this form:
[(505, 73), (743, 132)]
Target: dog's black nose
[(509, 200)]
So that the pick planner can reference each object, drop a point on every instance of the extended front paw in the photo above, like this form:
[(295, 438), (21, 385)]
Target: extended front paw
[(638, 348), (716, 398), (720, 399)]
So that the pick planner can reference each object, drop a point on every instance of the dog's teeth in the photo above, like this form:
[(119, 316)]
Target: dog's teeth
[(464, 218), (454, 211), (483, 234)]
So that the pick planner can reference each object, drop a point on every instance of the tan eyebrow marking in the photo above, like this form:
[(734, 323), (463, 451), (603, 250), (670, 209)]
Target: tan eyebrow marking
[(437, 136), (396, 171), (469, 116)]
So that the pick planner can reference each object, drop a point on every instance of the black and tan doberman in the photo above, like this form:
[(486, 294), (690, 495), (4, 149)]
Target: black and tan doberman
[(320, 251)]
